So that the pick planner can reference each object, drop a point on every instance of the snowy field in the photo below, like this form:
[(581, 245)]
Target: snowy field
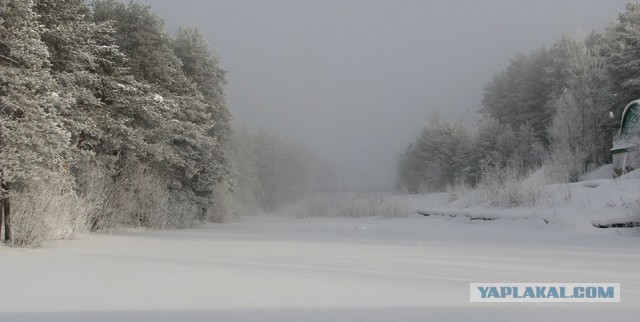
[(269, 268)]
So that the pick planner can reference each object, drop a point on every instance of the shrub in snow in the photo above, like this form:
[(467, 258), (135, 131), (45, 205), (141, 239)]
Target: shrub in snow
[(507, 187), (143, 199), (96, 186), (49, 208)]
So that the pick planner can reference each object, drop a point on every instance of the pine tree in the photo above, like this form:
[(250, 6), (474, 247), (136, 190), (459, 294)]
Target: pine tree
[(623, 57), (520, 93), (89, 67), (200, 66), (489, 131), (585, 78), (187, 139), (438, 158), (32, 136)]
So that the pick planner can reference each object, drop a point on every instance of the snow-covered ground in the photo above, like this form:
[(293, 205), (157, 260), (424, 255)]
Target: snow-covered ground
[(598, 199), (270, 268)]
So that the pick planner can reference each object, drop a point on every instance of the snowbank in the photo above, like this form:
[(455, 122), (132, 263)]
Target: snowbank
[(635, 174), (603, 172), (562, 206)]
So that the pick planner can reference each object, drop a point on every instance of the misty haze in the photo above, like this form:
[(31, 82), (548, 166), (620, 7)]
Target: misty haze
[(297, 160)]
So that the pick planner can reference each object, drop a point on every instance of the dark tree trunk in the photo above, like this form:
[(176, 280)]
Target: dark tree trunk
[(6, 210), (7, 219)]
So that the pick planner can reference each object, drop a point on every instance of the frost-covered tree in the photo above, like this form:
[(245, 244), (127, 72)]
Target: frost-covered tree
[(186, 139), (406, 176), (581, 123), (242, 150), (32, 135), (438, 158), (280, 170), (446, 155), (141, 36), (569, 151), (527, 152), (104, 95), (110, 111), (622, 55), (88, 65), (270, 171), (110, 106), (200, 64), (489, 132), (499, 146), (520, 93)]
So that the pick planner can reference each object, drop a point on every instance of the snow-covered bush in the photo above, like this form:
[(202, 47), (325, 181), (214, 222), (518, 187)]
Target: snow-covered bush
[(146, 201), (49, 208), (143, 198), (96, 186), (392, 207), (228, 207), (351, 205), (507, 187)]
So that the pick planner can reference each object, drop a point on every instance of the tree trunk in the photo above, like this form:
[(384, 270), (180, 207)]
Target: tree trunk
[(6, 210), (1, 216), (7, 219)]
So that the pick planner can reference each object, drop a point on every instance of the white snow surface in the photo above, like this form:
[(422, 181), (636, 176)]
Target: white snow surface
[(561, 207), (635, 174), (602, 172), (276, 268)]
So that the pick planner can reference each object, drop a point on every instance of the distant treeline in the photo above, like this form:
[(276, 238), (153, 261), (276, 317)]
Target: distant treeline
[(550, 106)]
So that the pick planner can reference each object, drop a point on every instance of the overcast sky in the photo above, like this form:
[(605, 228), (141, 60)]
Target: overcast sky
[(355, 80)]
